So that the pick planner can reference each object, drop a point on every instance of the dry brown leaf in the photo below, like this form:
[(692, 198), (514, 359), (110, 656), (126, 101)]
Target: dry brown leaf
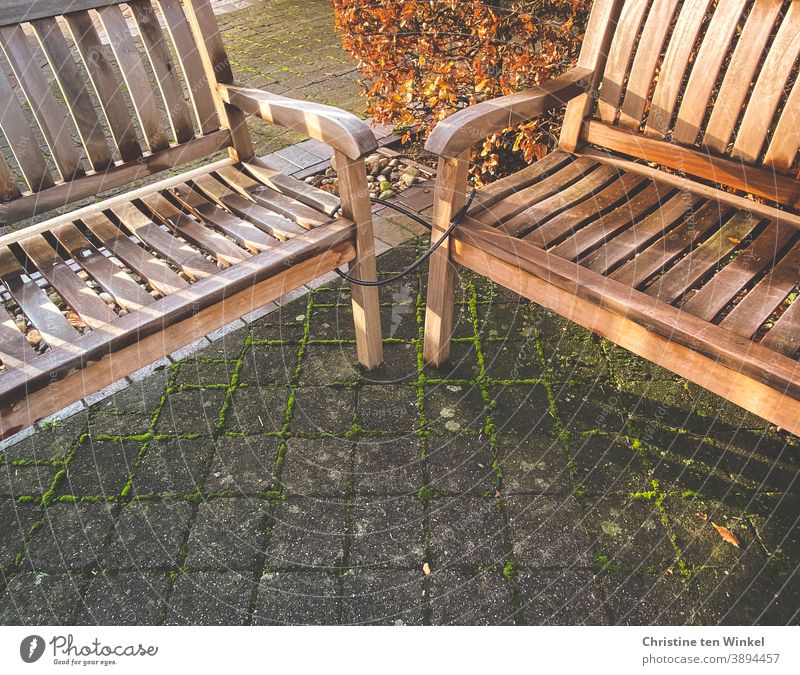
[(497, 493), (701, 516), (734, 240), (726, 534), (426, 569), (74, 319)]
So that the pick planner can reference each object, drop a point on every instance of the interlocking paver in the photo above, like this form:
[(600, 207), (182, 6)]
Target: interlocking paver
[(126, 599), (462, 599), (210, 599), (292, 598)]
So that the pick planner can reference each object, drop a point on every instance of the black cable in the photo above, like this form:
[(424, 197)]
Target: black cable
[(453, 223)]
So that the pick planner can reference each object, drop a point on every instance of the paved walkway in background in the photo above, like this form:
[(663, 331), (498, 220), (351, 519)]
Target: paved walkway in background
[(543, 476)]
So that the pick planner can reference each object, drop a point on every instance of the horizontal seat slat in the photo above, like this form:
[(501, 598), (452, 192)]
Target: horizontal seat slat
[(726, 284), (91, 309), (205, 238), (240, 230), (34, 303), (577, 216), (763, 299), (248, 187), (157, 273), (179, 253), (112, 279)]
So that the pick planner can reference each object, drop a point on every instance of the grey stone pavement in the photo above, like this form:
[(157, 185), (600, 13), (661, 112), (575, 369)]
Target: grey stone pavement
[(543, 476)]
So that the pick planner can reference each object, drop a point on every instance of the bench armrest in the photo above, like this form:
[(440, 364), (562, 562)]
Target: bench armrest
[(337, 128), (468, 126)]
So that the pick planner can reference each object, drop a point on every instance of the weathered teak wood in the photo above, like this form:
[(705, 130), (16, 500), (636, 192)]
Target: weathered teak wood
[(672, 227), (114, 285)]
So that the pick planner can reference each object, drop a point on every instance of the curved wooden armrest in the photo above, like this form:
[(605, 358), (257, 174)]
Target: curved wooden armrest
[(468, 126), (341, 130)]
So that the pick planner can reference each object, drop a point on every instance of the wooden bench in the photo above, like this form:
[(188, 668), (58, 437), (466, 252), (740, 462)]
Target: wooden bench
[(667, 220), (101, 98)]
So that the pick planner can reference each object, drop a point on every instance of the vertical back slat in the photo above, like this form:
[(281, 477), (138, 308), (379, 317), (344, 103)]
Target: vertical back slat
[(670, 77), (21, 140), (769, 88), (135, 76), (45, 109), (644, 63), (739, 74), (106, 84), (705, 70), (215, 62), (192, 65), (165, 69), (8, 186), (785, 141), (73, 88), (619, 57)]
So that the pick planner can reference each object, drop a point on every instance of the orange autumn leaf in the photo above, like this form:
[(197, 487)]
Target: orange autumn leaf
[(726, 534)]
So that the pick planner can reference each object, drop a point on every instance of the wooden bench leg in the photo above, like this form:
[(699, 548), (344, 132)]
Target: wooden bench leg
[(451, 182), (354, 196)]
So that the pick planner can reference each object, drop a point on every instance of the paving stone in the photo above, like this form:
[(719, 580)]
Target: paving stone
[(604, 465), (701, 544), (18, 480), (452, 409), (775, 521), (387, 532), (297, 598), (16, 521), (148, 534), (140, 400), (244, 465), (317, 466), (228, 533), (40, 599), (323, 410), (173, 466), (193, 411), (467, 532), (308, 533), (651, 600), (499, 320), (521, 409), (51, 444), (257, 410), (630, 535), (512, 359), (462, 365), (593, 407), (387, 408), (560, 597), (548, 532), (399, 365), (574, 360), (461, 599), (533, 463), (269, 364), (127, 599), (204, 373), (765, 596), (210, 599), (99, 468), (331, 323), (383, 597), (285, 323), (461, 465), (388, 465), (329, 363), (70, 537), (399, 320)]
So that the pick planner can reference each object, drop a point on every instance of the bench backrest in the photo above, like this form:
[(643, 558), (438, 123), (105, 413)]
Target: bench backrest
[(104, 95), (709, 87)]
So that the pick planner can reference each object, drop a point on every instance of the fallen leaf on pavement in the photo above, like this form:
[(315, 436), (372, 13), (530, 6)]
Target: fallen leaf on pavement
[(426, 569), (701, 516), (726, 534)]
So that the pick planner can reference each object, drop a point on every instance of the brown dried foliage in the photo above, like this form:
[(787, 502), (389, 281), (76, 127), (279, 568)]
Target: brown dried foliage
[(422, 60)]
